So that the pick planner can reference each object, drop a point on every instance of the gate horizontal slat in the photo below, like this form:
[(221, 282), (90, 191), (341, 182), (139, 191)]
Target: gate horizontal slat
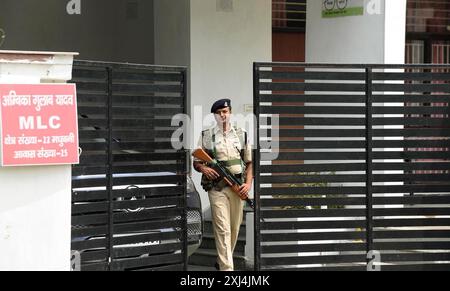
[(410, 110), (148, 203), (90, 244), (289, 121), (424, 132), (416, 199), (147, 157), (283, 86), (150, 250), (423, 88), (99, 255), (151, 191), (311, 190), (140, 122), (327, 156), (357, 236), (123, 76), (304, 248), (146, 215), (90, 182), (147, 225), (145, 237), (141, 146), (142, 135), (294, 212), (91, 85), (413, 98), (433, 211), (316, 98), (321, 133), (435, 122), (412, 233), (139, 112), (411, 222), (156, 260), (95, 267), (84, 208), (87, 231), (417, 267), (412, 178), (145, 100), (299, 179), (422, 188), (308, 75), (92, 97), (307, 224), (93, 134), (158, 180), (412, 76), (414, 257), (172, 267), (312, 110), (139, 88), (278, 202), (311, 168), (90, 219), (323, 259), (411, 245), (86, 196)]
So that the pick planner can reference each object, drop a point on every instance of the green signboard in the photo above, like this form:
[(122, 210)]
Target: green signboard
[(341, 8)]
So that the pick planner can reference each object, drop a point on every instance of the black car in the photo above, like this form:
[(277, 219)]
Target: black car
[(193, 210)]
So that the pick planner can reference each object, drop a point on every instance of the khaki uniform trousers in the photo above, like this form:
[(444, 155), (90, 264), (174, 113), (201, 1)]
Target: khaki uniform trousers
[(227, 212)]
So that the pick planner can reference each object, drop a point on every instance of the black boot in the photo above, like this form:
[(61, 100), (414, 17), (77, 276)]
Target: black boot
[(216, 265)]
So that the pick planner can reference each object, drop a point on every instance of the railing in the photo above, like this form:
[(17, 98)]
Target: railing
[(289, 14)]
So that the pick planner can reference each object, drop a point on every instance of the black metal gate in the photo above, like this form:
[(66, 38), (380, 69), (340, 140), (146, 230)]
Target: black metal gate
[(352, 167), (129, 190)]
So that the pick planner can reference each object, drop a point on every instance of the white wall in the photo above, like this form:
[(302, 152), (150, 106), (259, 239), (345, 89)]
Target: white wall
[(102, 32), (222, 46), (35, 202), (369, 38), (35, 218)]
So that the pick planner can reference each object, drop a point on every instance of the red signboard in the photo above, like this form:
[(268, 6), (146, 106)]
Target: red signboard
[(39, 124)]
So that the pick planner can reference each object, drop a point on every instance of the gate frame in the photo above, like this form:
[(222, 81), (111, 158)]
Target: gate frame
[(110, 67), (369, 138)]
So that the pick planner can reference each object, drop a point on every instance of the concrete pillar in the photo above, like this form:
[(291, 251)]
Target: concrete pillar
[(35, 202)]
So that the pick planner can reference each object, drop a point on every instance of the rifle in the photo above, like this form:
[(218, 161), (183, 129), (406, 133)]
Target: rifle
[(229, 178)]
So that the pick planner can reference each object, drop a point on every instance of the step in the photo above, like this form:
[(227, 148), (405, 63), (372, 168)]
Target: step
[(207, 258), (208, 242)]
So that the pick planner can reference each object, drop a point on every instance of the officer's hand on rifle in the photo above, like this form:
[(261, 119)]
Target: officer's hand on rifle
[(243, 191), (210, 173)]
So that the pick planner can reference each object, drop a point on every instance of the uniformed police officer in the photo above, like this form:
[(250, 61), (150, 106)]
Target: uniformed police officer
[(229, 145)]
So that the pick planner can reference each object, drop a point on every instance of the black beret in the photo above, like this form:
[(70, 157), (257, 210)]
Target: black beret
[(219, 104)]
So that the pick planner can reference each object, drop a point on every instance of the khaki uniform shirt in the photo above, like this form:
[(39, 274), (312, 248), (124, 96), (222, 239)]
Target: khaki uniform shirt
[(228, 146)]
